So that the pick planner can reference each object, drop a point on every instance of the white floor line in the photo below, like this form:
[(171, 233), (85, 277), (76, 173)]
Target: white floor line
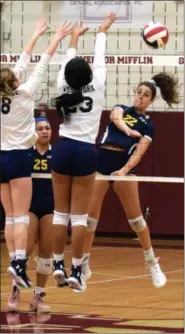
[(108, 274), (99, 282)]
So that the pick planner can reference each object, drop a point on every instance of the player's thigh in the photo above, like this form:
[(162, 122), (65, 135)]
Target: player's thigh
[(81, 193), (6, 199), (128, 193), (33, 230), (45, 236), (99, 192), (62, 191), (21, 190)]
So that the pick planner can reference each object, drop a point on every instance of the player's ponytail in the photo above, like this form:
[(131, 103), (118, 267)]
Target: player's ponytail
[(65, 104), (169, 87), (7, 82)]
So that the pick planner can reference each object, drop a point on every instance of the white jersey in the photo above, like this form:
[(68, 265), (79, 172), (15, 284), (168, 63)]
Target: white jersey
[(84, 123), (17, 112)]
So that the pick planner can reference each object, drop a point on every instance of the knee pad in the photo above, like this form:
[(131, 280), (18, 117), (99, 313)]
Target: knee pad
[(79, 220), (9, 221), (44, 266), (137, 224), (91, 224), (22, 219), (60, 218)]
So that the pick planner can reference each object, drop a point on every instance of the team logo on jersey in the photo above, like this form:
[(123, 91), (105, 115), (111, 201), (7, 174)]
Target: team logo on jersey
[(143, 120)]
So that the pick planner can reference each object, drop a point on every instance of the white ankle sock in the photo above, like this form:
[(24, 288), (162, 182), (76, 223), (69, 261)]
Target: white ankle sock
[(149, 255), (38, 290), (58, 257), (20, 254), (12, 255), (76, 262)]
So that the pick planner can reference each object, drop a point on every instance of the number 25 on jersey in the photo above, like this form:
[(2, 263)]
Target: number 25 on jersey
[(40, 164)]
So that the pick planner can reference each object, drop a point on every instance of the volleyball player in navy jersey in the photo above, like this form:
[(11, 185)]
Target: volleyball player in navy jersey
[(122, 146), (41, 212), (18, 135), (74, 158)]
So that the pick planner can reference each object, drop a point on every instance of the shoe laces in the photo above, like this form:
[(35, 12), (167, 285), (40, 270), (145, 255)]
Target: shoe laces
[(154, 266), (14, 294), (85, 268)]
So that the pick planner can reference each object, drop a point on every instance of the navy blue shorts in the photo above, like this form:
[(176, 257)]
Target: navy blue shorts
[(73, 157), (15, 164), (109, 161), (42, 202)]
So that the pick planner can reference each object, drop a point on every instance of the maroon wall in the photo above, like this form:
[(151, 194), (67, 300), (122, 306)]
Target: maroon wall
[(164, 158)]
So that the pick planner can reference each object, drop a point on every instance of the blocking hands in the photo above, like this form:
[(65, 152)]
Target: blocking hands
[(110, 19)]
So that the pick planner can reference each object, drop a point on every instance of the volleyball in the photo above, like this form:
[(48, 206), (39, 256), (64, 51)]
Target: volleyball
[(155, 35)]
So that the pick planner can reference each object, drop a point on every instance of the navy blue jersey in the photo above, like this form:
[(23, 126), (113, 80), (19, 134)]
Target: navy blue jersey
[(140, 122), (42, 165), (42, 198)]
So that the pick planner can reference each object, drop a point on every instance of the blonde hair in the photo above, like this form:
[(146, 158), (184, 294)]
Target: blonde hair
[(7, 82)]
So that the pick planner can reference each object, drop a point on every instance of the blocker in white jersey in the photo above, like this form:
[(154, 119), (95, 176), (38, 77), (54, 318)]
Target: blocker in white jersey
[(18, 136), (17, 111), (85, 117), (74, 157)]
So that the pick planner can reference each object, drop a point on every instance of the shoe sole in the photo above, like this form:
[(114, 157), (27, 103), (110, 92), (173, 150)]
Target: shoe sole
[(18, 279), (59, 278), (85, 280), (161, 285), (75, 285)]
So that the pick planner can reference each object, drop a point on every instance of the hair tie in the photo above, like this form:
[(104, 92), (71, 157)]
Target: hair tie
[(152, 81)]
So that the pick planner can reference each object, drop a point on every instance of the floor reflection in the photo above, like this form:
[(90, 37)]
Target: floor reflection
[(15, 322)]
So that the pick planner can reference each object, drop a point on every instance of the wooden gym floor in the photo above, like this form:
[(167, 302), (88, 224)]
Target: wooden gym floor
[(120, 298)]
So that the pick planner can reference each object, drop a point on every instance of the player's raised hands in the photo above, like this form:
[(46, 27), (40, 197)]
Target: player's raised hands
[(64, 30), (110, 19), (41, 26), (60, 33), (79, 29)]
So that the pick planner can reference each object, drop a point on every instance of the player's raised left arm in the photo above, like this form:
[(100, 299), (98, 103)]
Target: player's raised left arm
[(99, 68), (22, 63), (35, 79), (77, 31)]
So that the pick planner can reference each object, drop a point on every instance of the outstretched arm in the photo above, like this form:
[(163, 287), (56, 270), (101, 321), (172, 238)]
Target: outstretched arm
[(99, 68), (22, 63), (35, 79), (78, 30)]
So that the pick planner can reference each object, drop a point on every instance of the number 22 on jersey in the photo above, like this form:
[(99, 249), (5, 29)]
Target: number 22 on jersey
[(128, 119)]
